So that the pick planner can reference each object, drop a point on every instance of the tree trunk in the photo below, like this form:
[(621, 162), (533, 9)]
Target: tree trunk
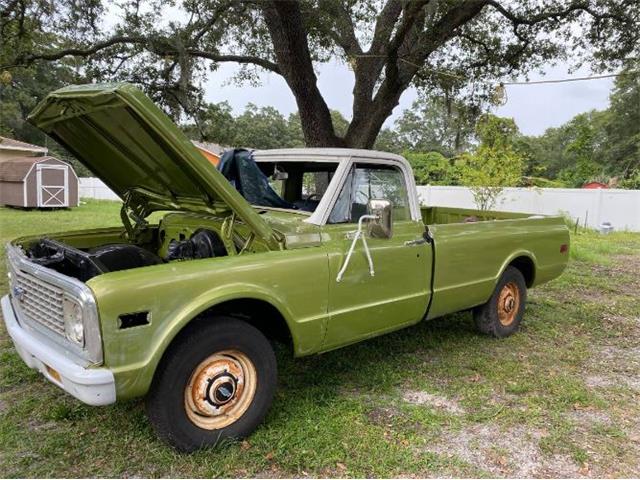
[(284, 21), (363, 131)]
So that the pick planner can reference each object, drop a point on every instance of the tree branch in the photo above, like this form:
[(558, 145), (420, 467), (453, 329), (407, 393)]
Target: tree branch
[(400, 70), (577, 5), (344, 33), (149, 46), (246, 59)]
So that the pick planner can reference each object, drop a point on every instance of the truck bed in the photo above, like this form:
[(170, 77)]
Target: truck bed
[(444, 215), (472, 248)]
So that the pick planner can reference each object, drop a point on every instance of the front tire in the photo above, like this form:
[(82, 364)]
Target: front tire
[(215, 383), (502, 314)]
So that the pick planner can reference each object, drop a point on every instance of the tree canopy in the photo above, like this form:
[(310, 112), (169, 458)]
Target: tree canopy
[(595, 145), (441, 47)]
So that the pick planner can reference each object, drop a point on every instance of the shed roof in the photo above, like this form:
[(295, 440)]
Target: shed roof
[(11, 144), (210, 147), (16, 169)]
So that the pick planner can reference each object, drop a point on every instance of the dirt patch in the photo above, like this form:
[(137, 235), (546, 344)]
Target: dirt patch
[(613, 366), (595, 381), (36, 425), (629, 263), (416, 397), (626, 266), (577, 293), (384, 416), (588, 417), (624, 328), (599, 381), (625, 356), (513, 452), (621, 276)]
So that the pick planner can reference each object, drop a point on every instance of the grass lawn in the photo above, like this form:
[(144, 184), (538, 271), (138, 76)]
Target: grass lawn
[(561, 398)]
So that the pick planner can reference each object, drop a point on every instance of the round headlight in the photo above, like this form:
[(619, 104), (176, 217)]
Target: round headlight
[(73, 324)]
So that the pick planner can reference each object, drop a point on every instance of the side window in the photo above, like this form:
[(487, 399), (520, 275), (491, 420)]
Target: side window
[(367, 182)]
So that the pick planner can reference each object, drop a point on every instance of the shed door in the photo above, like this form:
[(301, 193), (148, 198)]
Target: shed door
[(52, 185)]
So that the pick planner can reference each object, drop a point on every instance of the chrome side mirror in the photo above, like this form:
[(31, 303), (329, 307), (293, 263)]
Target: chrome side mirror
[(382, 225)]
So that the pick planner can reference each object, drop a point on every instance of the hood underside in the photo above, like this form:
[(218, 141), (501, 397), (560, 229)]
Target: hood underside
[(131, 145)]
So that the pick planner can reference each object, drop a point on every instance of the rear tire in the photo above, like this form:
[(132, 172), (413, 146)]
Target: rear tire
[(502, 314), (215, 383)]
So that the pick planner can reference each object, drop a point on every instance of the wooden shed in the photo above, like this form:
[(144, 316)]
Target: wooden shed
[(39, 182)]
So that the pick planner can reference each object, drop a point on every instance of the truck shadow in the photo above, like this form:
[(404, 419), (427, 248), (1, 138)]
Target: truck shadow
[(318, 384), (374, 368)]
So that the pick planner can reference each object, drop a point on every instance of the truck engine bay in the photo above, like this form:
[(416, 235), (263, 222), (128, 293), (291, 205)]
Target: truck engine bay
[(178, 237)]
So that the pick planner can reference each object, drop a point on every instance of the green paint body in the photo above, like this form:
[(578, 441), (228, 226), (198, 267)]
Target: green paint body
[(291, 265)]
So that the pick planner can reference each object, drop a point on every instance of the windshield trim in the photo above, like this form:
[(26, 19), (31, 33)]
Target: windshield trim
[(287, 210)]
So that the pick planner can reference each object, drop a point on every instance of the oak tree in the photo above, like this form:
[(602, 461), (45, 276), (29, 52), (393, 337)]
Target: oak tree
[(447, 47)]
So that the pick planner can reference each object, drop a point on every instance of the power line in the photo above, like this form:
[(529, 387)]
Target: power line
[(534, 82), (565, 80), (499, 95)]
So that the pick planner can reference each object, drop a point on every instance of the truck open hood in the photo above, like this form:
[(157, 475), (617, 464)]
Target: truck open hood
[(130, 144)]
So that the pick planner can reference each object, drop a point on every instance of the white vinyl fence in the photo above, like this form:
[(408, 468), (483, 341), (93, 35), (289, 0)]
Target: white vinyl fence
[(91, 187), (621, 208)]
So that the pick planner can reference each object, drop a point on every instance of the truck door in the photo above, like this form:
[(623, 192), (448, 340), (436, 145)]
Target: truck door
[(361, 305)]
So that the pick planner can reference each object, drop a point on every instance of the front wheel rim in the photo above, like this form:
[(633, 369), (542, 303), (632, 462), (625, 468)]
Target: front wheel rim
[(220, 389), (508, 304)]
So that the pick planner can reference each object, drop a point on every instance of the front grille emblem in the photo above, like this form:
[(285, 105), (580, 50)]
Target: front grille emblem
[(18, 293)]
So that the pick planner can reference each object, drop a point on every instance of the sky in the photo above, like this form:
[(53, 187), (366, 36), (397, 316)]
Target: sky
[(534, 107)]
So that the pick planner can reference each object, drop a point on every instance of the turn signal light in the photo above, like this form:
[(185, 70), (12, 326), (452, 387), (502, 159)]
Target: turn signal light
[(54, 373)]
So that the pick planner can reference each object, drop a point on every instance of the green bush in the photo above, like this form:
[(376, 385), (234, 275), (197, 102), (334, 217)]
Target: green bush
[(433, 168)]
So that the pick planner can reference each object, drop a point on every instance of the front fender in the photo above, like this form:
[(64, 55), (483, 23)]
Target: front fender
[(294, 282)]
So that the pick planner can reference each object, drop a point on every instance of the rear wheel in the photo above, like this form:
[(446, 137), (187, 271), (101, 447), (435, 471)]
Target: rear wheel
[(215, 383), (502, 314)]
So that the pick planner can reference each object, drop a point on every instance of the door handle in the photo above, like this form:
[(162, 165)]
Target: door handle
[(417, 241)]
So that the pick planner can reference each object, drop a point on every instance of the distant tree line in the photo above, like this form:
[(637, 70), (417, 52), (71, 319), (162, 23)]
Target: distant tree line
[(596, 145)]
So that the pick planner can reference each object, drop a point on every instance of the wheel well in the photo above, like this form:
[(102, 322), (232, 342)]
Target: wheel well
[(258, 313), (526, 267)]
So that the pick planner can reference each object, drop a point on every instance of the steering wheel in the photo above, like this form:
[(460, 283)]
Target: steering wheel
[(304, 205)]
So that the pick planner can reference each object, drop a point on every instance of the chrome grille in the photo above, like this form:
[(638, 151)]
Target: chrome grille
[(44, 292), (39, 301)]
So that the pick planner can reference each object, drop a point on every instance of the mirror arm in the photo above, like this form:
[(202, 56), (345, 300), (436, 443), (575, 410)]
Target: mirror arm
[(359, 234)]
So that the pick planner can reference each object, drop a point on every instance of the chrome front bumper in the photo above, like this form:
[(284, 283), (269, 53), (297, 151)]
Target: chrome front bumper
[(93, 386)]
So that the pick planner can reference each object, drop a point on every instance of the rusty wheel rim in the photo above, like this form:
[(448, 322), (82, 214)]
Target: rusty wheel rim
[(220, 389), (508, 304)]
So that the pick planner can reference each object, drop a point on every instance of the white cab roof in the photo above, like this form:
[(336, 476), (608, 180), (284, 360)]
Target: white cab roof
[(323, 155)]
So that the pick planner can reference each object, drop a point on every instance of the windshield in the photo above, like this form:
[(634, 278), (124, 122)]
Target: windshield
[(302, 184), (277, 184)]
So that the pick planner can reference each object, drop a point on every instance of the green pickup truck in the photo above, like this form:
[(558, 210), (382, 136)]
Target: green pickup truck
[(317, 248)]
